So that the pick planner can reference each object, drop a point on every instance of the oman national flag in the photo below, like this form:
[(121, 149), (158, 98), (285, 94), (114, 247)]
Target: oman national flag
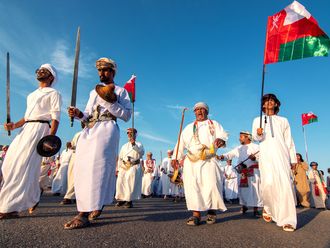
[(293, 33), (308, 118), (130, 87)]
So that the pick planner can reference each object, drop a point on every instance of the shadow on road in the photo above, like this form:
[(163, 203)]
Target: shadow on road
[(306, 216)]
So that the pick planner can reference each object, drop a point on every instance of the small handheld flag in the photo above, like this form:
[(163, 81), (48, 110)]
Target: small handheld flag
[(130, 87)]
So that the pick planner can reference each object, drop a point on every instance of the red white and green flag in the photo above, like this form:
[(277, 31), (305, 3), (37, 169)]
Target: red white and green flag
[(130, 87), (293, 33), (308, 118)]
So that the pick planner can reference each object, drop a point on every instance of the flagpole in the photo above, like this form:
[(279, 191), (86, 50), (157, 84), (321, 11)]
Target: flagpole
[(133, 105), (262, 91), (306, 149), (133, 115)]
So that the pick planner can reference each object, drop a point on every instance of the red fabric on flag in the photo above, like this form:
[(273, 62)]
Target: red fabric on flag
[(130, 87), (308, 118), (278, 34)]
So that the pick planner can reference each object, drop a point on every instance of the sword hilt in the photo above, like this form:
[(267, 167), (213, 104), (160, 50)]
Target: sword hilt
[(72, 121), (8, 121)]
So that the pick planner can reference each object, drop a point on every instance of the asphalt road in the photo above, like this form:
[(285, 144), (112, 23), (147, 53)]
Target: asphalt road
[(155, 222)]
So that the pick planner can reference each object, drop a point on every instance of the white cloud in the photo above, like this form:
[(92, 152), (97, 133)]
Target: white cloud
[(63, 58), (175, 107), (155, 138)]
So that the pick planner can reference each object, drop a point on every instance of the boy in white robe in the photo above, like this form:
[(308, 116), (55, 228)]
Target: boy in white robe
[(249, 178), (97, 147), (277, 156), (201, 174), (21, 167), (149, 172), (129, 180), (165, 170), (45, 172), (59, 185), (318, 187), (230, 182)]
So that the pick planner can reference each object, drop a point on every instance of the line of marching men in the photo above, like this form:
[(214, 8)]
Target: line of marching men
[(96, 159)]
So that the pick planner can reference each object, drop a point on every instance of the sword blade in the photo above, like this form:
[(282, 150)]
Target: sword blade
[(8, 91), (75, 73)]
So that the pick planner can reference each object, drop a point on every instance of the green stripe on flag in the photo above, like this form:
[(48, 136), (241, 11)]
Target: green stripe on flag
[(311, 120), (130, 96), (305, 47)]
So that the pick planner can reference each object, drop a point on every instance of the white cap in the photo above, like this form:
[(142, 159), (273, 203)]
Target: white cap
[(201, 105), (52, 70)]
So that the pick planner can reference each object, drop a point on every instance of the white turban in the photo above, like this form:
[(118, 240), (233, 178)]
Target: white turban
[(201, 105), (52, 70)]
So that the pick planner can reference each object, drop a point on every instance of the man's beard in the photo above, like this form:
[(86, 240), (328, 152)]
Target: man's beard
[(42, 76), (104, 79)]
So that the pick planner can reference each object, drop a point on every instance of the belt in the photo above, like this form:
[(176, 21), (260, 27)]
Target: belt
[(90, 122), (204, 154), (40, 121)]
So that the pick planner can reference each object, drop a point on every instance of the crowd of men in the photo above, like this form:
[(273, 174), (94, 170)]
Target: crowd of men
[(93, 171)]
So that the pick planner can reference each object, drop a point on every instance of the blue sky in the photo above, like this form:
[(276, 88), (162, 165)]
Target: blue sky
[(181, 51)]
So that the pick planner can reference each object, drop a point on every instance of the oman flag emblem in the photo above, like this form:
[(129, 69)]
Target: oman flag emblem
[(293, 33)]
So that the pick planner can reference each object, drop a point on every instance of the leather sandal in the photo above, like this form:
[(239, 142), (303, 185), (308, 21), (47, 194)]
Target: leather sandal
[(266, 216), (94, 214), (77, 222), (193, 221), (31, 210), (211, 219), (288, 228), (244, 209)]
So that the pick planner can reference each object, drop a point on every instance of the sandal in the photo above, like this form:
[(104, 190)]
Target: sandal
[(31, 210), (211, 219), (193, 221), (257, 214), (266, 217), (288, 228), (94, 214), (11, 215), (77, 222), (244, 209)]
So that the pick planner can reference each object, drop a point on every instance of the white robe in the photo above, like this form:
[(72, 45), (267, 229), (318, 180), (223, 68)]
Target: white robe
[(277, 152), (21, 167), (96, 153), (230, 182), (155, 181), (47, 169), (148, 176), (158, 182), (129, 182), (70, 194), (317, 201), (60, 181), (202, 179), (248, 196), (164, 178)]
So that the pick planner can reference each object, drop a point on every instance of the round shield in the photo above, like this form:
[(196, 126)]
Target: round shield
[(49, 145)]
